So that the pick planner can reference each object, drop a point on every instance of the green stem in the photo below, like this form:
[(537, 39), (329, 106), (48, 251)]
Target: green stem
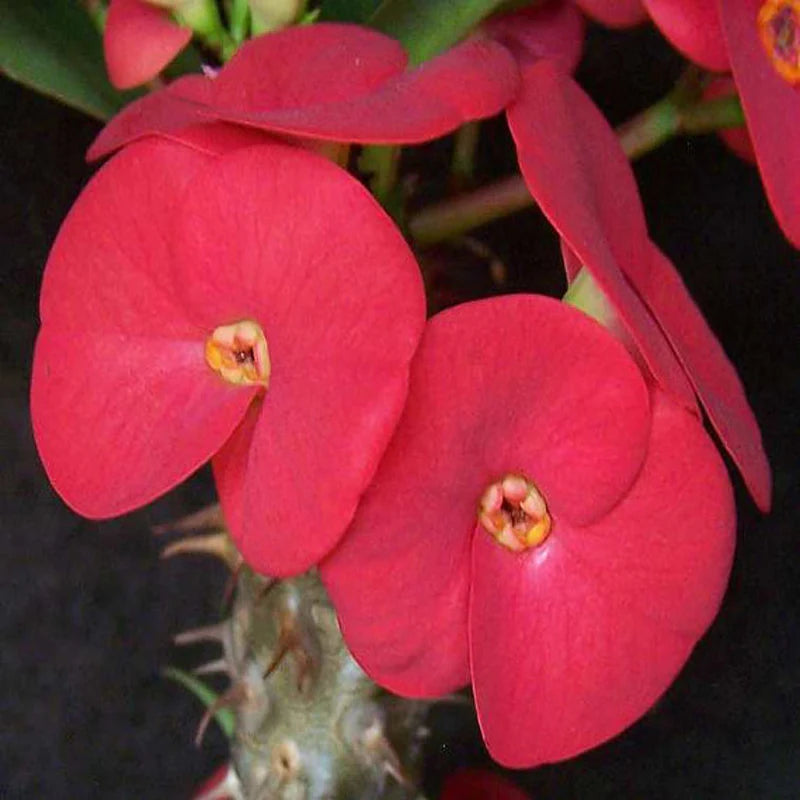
[(427, 27), (239, 20), (464, 148), (646, 131)]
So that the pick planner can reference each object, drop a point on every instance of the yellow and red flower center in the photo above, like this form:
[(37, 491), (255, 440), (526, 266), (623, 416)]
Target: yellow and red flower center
[(779, 28), (238, 353), (514, 512)]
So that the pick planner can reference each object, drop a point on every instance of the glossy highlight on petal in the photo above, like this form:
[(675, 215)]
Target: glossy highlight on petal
[(139, 41)]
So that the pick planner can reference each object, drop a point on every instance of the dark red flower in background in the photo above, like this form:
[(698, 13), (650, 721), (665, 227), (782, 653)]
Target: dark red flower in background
[(139, 40), (575, 168), (231, 305), (614, 13), (539, 526), (479, 784), (329, 82)]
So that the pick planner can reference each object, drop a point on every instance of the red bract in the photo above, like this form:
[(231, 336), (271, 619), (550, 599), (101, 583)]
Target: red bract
[(614, 13), (760, 41), (693, 26), (478, 784), (575, 168), (765, 57), (553, 31), (258, 305), (527, 419), (330, 82), (139, 41)]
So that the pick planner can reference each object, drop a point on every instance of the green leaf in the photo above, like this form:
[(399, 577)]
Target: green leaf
[(207, 696), (53, 47), (347, 10), (427, 27)]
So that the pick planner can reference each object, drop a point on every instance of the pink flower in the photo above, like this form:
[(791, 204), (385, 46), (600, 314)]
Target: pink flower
[(574, 166), (139, 40), (479, 784), (329, 82), (255, 306), (760, 41), (541, 525)]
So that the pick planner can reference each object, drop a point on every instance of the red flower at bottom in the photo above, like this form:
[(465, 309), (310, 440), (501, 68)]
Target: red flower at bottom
[(538, 525)]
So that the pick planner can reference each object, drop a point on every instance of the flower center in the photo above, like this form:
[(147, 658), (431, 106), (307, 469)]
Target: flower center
[(515, 513), (239, 353), (779, 28)]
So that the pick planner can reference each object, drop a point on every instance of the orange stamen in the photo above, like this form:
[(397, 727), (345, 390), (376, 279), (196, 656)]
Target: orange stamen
[(779, 29), (238, 353)]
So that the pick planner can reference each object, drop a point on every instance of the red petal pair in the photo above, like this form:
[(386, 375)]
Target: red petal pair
[(570, 641), (575, 168), (331, 82), (165, 245), (139, 40)]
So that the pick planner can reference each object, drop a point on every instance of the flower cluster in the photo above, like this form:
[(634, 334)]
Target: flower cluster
[(511, 495)]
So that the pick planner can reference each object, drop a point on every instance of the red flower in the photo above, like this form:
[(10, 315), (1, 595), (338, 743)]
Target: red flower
[(575, 168), (330, 82), (539, 525), (760, 41), (139, 40), (614, 13), (479, 784), (256, 306)]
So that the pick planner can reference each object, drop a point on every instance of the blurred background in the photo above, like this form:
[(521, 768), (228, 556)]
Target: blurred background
[(88, 610)]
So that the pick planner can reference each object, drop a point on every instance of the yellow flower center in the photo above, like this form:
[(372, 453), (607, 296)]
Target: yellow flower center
[(514, 512), (238, 353), (779, 28)]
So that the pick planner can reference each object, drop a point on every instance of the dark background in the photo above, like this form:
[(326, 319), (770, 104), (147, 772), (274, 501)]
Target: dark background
[(88, 609)]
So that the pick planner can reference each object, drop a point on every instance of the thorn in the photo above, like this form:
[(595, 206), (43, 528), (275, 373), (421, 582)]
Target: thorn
[(232, 583), (209, 633), (379, 751), (270, 584), (208, 518), (296, 637), (213, 667), (214, 544), (232, 698)]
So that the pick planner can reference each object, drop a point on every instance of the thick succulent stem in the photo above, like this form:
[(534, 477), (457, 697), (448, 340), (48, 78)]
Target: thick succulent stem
[(310, 725)]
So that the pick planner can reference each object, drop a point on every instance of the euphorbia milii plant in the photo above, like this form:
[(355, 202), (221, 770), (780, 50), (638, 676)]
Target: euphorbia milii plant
[(230, 306), (542, 525)]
